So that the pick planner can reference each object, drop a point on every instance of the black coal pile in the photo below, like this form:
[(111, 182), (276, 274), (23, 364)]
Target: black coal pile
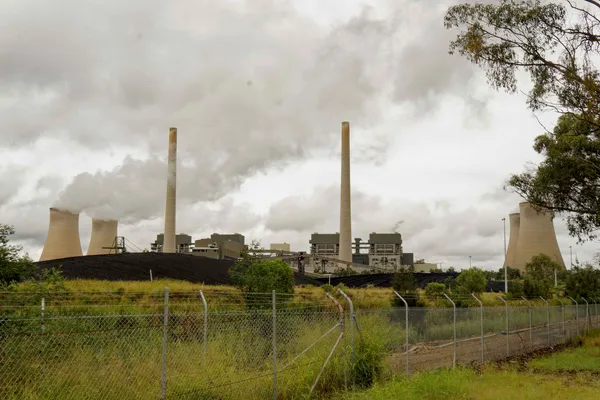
[(137, 266)]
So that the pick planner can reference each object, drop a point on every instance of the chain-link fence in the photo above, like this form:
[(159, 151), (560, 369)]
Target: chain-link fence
[(229, 345)]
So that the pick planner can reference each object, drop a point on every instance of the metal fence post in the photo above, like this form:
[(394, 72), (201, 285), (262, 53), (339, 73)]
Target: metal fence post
[(274, 297), (481, 321), (576, 313), (530, 322), (507, 327), (43, 331), (351, 306), (164, 346), (587, 314), (596, 311), (547, 318), (405, 326), (205, 329), (562, 312), (454, 329)]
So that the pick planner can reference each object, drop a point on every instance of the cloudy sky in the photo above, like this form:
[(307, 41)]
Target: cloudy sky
[(258, 90)]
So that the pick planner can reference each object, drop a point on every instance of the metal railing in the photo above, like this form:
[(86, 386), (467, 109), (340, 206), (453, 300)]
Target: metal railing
[(227, 344)]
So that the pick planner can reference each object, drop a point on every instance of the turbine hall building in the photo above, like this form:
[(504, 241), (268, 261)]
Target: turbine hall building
[(383, 250)]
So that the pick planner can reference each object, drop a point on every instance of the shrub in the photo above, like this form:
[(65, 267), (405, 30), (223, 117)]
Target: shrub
[(515, 290), (266, 276), (433, 289), (14, 268), (472, 280), (540, 271), (583, 282), (536, 288)]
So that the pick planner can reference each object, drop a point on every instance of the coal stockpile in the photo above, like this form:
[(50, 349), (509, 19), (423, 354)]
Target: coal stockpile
[(137, 266), (385, 280)]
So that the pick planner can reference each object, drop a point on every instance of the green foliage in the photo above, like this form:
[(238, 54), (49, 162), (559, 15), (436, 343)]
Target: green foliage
[(557, 47), (435, 270), (583, 281), (434, 290), (368, 360), (451, 270), (541, 268), (246, 260), (404, 283), (266, 276), (49, 280), (14, 268), (472, 280), (567, 179), (539, 276), (511, 273), (450, 283), (534, 288), (515, 290)]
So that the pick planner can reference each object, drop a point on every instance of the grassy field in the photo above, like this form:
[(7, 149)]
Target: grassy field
[(569, 374), (103, 339), (362, 297), (585, 358)]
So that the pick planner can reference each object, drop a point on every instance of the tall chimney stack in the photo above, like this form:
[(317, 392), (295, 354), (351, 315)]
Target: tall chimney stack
[(169, 240), (345, 214)]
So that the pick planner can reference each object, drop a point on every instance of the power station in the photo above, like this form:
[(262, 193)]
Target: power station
[(384, 250), (531, 233)]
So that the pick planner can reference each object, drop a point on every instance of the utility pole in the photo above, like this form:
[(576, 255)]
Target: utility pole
[(505, 266)]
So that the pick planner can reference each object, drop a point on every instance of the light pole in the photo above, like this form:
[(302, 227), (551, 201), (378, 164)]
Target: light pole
[(505, 266), (571, 255), (469, 262)]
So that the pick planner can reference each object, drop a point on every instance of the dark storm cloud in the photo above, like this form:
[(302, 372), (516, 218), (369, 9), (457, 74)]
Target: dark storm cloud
[(249, 85)]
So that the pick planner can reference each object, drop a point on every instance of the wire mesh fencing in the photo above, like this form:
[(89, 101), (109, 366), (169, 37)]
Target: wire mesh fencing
[(230, 345)]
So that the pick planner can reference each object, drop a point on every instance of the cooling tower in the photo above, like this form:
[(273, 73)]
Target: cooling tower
[(169, 241), (104, 233), (514, 223), (345, 251), (536, 235), (63, 236)]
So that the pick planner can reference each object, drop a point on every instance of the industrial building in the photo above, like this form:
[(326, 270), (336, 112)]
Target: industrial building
[(531, 233), (183, 243), (383, 250), (218, 246), (280, 247)]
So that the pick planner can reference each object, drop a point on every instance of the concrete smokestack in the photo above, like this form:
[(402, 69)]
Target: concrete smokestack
[(63, 236), (345, 206), (169, 241), (104, 233), (536, 235), (511, 252)]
